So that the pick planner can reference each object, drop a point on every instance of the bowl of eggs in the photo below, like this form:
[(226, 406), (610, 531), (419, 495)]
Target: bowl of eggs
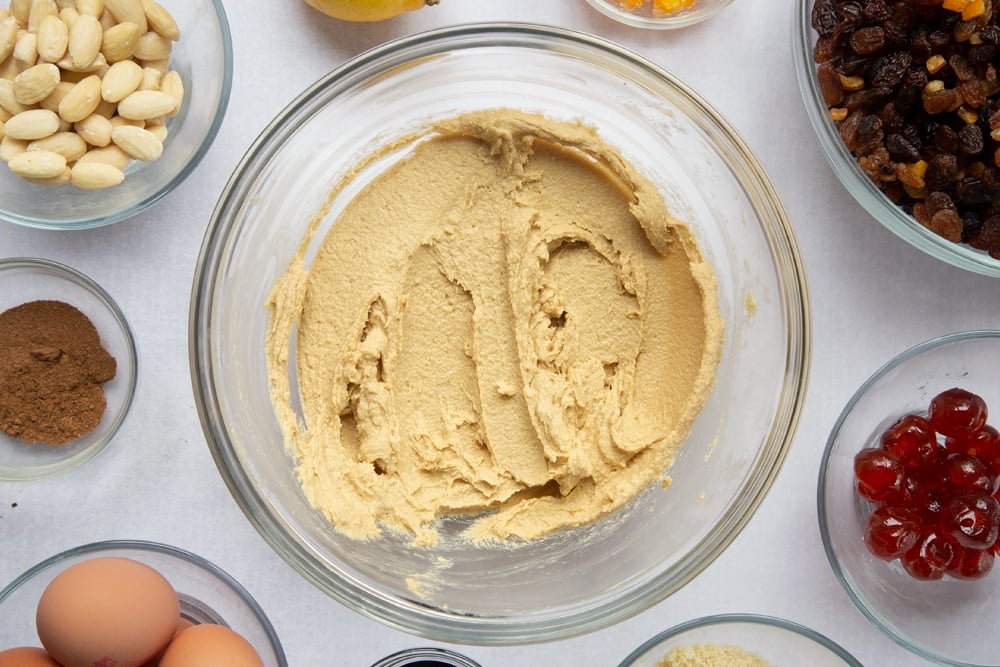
[(106, 110), (132, 603)]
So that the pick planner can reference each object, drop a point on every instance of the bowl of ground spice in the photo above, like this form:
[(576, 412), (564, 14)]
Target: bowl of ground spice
[(739, 640), (67, 368), (905, 100)]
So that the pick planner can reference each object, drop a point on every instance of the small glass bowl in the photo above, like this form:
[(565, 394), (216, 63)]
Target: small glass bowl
[(24, 279), (204, 58), (845, 166), (949, 621), (777, 641), (426, 657), (646, 17), (207, 593)]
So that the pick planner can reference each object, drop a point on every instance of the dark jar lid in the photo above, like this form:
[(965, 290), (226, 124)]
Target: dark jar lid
[(426, 657)]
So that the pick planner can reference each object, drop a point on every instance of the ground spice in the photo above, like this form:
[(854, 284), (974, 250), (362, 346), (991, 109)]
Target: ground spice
[(52, 368)]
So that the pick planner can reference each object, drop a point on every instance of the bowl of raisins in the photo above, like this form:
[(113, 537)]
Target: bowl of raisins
[(904, 98), (909, 498)]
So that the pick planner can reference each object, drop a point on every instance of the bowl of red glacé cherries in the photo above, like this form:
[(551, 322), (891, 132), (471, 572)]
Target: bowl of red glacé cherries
[(909, 499)]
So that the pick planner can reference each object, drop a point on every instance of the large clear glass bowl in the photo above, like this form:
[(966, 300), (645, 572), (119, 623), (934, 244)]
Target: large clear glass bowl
[(576, 580), (949, 621), (203, 56), (775, 640), (845, 166), (207, 593)]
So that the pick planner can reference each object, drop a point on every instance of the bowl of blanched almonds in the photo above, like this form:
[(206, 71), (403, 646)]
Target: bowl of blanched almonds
[(106, 105)]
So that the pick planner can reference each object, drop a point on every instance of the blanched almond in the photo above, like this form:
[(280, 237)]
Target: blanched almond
[(137, 143), (85, 41), (152, 46), (40, 9), (121, 80), (26, 50), (82, 100), (160, 20), (150, 79), (68, 144), (95, 129), (119, 41), (37, 164), (35, 83), (2, 134), (92, 7), (8, 100), (159, 131), (20, 9), (121, 121), (173, 85), (32, 124), (68, 16), (128, 10), (95, 175), (60, 179), (146, 104), (11, 147), (110, 154), (8, 37), (55, 97), (53, 37)]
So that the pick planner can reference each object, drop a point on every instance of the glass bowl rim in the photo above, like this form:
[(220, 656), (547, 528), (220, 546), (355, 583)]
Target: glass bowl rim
[(669, 22), (844, 166), (759, 619), (130, 211), (421, 620), (402, 658), (160, 548), (821, 506), (69, 274)]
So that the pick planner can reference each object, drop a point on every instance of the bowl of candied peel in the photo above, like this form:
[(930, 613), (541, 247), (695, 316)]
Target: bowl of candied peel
[(909, 498), (658, 14), (904, 98)]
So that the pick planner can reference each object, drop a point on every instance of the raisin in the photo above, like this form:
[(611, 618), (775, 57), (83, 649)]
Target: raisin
[(946, 139), (973, 191), (868, 41), (938, 201), (970, 140), (972, 93), (824, 17), (939, 101), (889, 70), (961, 67), (900, 149), (829, 84), (867, 98), (941, 170), (947, 224), (875, 11)]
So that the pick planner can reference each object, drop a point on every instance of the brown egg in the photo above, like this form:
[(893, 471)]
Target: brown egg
[(26, 656), (209, 645), (182, 625), (107, 611)]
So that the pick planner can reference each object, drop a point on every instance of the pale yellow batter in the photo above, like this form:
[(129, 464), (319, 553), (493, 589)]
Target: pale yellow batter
[(508, 323)]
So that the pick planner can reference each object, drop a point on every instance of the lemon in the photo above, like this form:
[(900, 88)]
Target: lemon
[(367, 10)]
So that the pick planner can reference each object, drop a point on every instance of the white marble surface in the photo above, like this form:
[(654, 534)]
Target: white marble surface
[(872, 296)]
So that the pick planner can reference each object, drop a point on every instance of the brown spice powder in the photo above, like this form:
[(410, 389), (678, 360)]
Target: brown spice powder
[(52, 368)]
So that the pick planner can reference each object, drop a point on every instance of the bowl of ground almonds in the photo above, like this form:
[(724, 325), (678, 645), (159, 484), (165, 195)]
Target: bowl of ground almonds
[(739, 640), (68, 369), (106, 107), (904, 98)]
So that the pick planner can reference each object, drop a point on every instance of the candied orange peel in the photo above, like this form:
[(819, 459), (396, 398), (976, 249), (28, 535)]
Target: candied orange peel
[(659, 7), (969, 9)]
